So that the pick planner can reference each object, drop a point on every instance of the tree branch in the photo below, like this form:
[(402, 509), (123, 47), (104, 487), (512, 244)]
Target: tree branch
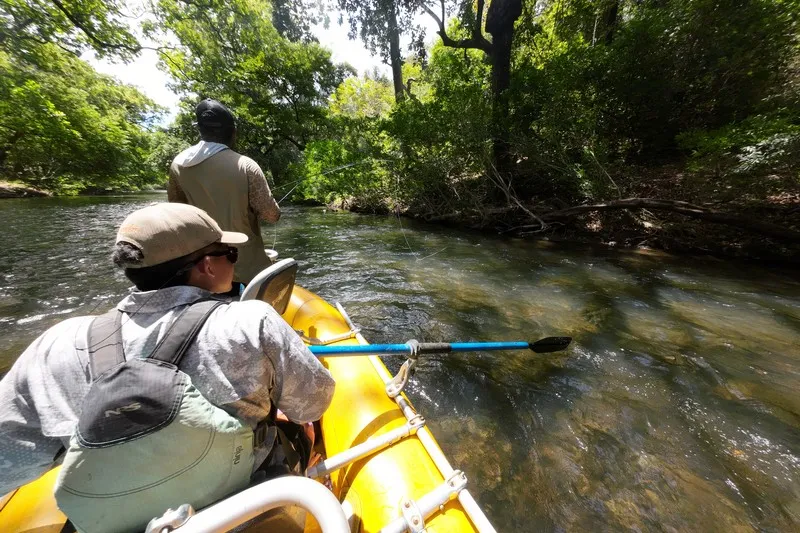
[(477, 29), (300, 145), (684, 208), (477, 41), (90, 33), (435, 17)]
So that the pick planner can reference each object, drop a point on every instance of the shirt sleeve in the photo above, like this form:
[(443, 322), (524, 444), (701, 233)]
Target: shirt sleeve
[(261, 200), (25, 452), (174, 191), (303, 387)]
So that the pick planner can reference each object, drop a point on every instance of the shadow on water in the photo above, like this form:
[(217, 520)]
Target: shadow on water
[(676, 408)]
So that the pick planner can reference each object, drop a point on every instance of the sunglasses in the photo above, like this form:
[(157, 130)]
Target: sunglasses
[(231, 253)]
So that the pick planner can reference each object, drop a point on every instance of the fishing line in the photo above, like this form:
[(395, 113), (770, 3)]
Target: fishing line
[(329, 171), (288, 193), (402, 229), (297, 183)]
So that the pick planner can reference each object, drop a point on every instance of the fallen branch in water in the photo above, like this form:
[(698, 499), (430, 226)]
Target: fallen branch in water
[(676, 206)]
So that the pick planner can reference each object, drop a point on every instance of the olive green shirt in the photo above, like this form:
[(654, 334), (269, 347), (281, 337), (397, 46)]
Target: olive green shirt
[(232, 189)]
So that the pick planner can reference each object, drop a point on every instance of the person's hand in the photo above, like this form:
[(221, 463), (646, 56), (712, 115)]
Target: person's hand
[(309, 429)]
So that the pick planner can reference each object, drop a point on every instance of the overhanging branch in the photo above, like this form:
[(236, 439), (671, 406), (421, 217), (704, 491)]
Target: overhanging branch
[(477, 41), (89, 32)]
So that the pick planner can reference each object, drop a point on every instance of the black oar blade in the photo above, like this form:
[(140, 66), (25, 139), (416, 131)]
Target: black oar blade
[(550, 344)]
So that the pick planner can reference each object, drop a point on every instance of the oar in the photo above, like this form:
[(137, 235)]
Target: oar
[(548, 344)]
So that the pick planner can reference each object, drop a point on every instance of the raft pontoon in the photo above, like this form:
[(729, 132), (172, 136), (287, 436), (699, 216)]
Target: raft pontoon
[(386, 470)]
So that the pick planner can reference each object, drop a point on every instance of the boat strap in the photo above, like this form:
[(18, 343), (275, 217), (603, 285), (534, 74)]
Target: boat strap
[(105, 337)]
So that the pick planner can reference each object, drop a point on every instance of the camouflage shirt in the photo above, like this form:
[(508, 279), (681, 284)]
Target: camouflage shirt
[(244, 358)]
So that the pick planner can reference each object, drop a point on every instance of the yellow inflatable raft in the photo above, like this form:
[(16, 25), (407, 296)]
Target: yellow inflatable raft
[(384, 464)]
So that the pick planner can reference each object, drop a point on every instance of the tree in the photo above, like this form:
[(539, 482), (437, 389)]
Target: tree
[(379, 23), (362, 98), (501, 15), (73, 25), (65, 127), (231, 51), (293, 18)]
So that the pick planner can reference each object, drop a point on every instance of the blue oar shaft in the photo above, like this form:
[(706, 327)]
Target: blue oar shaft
[(435, 347)]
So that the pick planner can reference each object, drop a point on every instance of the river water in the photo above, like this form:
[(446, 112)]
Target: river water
[(676, 408)]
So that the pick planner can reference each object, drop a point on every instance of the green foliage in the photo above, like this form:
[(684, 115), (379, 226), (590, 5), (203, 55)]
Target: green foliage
[(594, 85), (362, 98), (698, 64), (757, 145), (590, 90), (64, 127), (343, 172), (427, 152), (350, 169), (163, 147), (379, 23), (444, 137), (73, 25), (231, 51)]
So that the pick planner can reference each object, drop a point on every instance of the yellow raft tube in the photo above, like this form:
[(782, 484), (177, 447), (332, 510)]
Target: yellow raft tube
[(375, 488)]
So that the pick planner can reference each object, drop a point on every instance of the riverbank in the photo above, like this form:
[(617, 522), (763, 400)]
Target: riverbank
[(654, 208), (671, 209), (17, 190)]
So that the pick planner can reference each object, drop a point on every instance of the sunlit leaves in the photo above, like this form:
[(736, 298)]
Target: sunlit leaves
[(73, 25), (362, 97), (63, 126), (231, 51)]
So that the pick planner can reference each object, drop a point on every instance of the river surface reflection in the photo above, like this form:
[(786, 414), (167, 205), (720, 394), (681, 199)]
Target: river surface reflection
[(676, 408)]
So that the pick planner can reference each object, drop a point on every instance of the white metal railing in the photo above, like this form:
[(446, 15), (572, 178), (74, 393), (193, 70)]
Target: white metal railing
[(368, 447), (250, 503), (415, 512)]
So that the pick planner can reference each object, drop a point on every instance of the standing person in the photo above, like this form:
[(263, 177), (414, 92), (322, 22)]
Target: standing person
[(228, 186), (244, 360)]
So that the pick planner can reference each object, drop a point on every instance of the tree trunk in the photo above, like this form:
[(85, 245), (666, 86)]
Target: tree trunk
[(500, 21), (501, 79), (394, 55), (610, 15), (6, 148)]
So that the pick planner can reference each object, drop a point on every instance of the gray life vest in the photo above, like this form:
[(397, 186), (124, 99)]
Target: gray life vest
[(146, 439)]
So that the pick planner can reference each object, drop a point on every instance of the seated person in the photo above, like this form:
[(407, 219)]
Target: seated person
[(245, 360)]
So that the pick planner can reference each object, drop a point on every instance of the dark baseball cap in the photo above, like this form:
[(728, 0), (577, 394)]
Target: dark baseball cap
[(212, 114)]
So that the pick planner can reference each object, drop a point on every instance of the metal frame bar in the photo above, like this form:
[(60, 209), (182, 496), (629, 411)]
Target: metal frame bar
[(427, 505), (368, 447), (250, 503)]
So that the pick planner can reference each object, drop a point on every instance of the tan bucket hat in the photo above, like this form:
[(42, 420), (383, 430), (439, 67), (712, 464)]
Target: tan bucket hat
[(167, 231)]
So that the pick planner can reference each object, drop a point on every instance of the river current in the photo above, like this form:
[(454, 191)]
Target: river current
[(677, 407)]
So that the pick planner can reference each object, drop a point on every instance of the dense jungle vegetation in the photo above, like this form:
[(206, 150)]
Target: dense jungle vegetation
[(670, 123)]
